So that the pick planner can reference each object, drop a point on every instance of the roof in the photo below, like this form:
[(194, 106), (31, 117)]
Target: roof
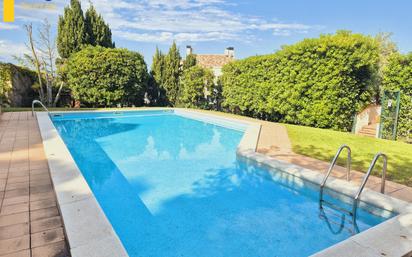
[(212, 60)]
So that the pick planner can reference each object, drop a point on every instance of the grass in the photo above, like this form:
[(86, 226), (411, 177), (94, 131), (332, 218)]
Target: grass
[(322, 144)]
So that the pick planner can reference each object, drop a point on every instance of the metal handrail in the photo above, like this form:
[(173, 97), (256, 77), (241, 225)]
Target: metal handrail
[(37, 102), (332, 164), (366, 177)]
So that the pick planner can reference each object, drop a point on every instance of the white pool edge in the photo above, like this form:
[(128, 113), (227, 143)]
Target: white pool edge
[(95, 235), (88, 231)]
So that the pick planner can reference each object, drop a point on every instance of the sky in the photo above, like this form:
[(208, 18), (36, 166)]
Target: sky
[(209, 26)]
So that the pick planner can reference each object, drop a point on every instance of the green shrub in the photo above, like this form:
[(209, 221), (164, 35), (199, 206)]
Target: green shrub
[(398, 77), (196, 87), (5, 81), (321, 82), (99, 76)]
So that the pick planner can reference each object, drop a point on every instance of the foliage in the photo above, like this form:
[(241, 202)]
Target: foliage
[(97, 30), (171, 75), (101, 76), (155, 92), (10, 74), (42, 49), (386, 49), (196, 87), (74, 30), (190, 61), (322, 144), (321, 82), (71, 30), (398, 77), (5, 81)]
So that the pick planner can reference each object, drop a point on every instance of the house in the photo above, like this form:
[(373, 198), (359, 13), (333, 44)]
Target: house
[(214, 62)]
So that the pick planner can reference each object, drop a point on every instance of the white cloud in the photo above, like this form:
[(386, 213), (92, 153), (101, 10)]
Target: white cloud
[(8, 26), (180, 20), (162, 37), (187, 20), (9, 49)]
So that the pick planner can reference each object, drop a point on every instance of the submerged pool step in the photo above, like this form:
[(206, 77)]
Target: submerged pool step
[(335, 207)]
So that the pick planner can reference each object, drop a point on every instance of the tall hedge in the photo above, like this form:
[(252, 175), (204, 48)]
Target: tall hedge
[(398, 77), (319, 82), (101, 76)]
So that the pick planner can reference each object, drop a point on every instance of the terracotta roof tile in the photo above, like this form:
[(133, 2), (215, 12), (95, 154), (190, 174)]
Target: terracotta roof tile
[(212, 60)]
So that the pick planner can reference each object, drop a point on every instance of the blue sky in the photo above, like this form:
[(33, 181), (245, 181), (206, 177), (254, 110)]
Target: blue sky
[(252, 27)]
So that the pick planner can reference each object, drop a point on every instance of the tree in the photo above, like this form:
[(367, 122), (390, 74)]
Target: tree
[(71, 32), (98, 32), (156, 92), (104, 77), (189, 62), (196, 87), (387, 48), (171, 75), (42, 60), (397, 76)]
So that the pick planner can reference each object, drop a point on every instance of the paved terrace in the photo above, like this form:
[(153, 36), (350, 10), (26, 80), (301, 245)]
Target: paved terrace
[(30, 223)]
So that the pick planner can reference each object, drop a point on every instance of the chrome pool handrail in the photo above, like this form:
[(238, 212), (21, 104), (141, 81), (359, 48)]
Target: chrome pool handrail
[(332, 164), (37, 102), (366, 177)]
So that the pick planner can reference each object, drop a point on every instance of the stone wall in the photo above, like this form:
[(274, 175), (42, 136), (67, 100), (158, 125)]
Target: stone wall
[(17, 85)]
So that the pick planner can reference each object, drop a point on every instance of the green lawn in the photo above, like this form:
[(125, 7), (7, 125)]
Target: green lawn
[(322, 144)]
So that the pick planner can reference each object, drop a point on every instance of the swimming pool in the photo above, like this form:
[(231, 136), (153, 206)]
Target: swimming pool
[(174, 186)]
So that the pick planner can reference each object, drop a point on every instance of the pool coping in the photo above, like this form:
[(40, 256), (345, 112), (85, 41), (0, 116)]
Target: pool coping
[(76, 200)]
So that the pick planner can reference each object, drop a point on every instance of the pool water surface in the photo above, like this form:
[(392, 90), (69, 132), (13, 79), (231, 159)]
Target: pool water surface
[(172, 186)]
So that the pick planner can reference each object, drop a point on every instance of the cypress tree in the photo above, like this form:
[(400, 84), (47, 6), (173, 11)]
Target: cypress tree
[(156, 92), (171, 75), (97, 30), (189, 62), (71, 33)]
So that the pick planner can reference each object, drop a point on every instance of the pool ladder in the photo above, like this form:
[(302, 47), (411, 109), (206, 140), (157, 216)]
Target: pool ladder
[(37, 102), (356, 198)]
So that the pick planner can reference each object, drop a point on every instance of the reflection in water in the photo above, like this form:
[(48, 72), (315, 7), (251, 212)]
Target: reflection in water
[(173, 187), (166, 175), (337, 221)]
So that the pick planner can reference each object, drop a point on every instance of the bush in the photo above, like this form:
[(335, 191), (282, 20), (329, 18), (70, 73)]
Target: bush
[(398, 77), (101, 76), (196, 87), (320, 82)]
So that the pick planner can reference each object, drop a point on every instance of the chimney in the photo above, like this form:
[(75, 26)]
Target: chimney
[(230, 52), (189, 50)]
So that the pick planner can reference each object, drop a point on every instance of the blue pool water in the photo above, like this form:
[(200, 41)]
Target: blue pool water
[(173, 186)]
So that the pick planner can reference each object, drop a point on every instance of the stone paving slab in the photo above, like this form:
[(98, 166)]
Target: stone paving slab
[(30, 223)]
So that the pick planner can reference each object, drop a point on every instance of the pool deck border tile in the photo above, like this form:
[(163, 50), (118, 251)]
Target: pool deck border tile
[(77, 202), (85, 223)]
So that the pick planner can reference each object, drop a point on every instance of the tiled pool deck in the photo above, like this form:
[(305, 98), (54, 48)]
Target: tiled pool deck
[(30, 224)]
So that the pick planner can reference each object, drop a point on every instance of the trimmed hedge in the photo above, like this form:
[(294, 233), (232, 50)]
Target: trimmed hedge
[(321, 82), (100, 77), (398, 77)]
